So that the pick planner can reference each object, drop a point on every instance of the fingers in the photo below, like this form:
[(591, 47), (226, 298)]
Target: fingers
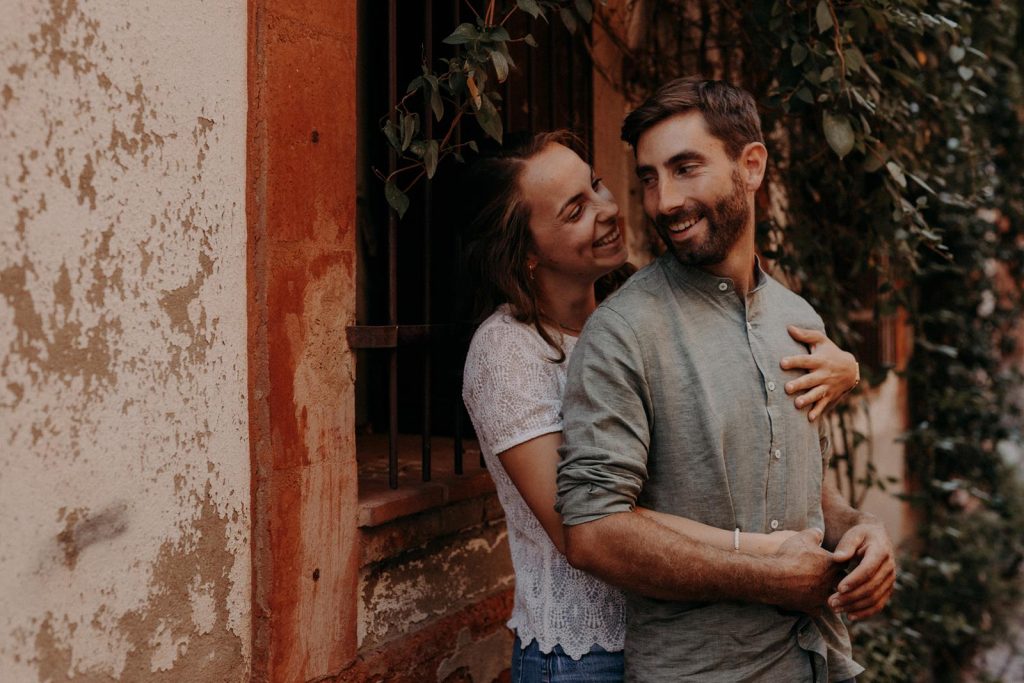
[(870, 565), (813, 396), (868, 594), (815, 536), (871, 603), (805, 336), (818, 409), (804, 362), (848, 545), (805, 382)]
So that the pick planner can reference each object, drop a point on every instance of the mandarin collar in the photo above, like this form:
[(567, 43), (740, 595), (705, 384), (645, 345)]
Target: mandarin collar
[(707, 282)]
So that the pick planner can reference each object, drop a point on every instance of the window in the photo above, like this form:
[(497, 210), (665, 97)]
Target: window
[(412, 325)]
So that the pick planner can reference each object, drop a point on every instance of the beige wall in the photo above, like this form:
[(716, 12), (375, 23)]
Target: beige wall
[(124, 459)]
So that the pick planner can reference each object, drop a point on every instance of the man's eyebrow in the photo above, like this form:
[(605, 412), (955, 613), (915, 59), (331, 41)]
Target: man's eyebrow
[(675, 159)]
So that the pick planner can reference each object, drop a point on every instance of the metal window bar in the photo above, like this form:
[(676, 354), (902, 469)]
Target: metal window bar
[(539, 82)]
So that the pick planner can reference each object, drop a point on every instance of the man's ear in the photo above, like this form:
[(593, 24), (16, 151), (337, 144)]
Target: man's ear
[(753, 161)]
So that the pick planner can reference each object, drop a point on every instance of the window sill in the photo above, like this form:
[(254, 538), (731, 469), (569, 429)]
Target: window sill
[(379, 504)]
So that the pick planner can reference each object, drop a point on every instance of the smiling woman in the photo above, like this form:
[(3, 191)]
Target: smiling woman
[(543, 231)]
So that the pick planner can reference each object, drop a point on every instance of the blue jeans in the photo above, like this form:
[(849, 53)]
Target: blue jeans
[(530, 665)]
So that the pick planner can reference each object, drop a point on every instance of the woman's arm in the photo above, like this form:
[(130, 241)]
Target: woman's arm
[(532, 466), (831, 372)]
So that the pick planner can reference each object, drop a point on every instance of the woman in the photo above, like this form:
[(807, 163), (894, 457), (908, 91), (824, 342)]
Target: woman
[(545, 242)]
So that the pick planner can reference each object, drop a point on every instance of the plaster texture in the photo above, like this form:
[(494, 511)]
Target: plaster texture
[(124, 448)]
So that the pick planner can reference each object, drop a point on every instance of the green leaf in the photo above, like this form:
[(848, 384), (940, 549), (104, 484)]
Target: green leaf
[(498, 34), (391, 133), (530, 40), (823, 16), (854, 59), (437, 104), (965, 72), (838, 133), (568, 18), (585, 10), (430, 158), (410, 123), (414, 84), (805, 94), (500, 65), (396, 198), (473, 146), (530, 7), (897, 173), (489, 119), (798, 54), (463, 34)]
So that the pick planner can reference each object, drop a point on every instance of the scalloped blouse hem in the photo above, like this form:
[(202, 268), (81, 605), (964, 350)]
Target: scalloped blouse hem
[(525, 638)]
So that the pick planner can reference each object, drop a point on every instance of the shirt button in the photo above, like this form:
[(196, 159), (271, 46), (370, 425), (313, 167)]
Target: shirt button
[(771, 386), (778, 453), (723, 286), (749, 326), (775, 524)]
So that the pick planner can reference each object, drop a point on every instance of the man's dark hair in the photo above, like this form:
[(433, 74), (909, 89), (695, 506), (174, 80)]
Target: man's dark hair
[(730, 112)]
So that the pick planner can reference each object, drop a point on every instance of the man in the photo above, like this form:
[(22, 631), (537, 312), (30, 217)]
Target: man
[(675, 401)]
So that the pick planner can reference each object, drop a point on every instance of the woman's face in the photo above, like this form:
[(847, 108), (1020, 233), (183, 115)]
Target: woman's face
[(574, 219)]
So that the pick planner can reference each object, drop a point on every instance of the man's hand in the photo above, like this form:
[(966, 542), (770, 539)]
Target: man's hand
[(866, 589), (808, 573)]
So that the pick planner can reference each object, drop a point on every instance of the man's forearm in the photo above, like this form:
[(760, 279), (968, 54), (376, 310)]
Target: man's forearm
[(839, 516), (639, 555)]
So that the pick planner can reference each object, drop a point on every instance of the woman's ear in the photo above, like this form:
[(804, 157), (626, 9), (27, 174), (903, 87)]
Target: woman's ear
[(753, 163)]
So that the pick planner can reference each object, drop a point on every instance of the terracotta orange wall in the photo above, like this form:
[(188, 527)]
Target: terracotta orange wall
[(301, 263)]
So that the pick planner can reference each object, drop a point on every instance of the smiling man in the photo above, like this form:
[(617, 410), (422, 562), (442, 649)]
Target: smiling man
[(675, 401)]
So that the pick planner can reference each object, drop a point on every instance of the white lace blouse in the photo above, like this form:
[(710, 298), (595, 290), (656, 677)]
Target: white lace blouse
[(514, 393)]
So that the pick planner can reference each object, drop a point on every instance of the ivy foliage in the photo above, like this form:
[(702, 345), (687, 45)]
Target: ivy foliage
[(896, 192), (465, 88)]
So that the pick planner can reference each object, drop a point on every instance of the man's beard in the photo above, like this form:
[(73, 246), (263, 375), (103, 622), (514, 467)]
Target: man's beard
[(725, 223)]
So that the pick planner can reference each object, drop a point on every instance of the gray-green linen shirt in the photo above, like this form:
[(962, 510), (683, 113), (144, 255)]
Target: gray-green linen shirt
[(675, 401)]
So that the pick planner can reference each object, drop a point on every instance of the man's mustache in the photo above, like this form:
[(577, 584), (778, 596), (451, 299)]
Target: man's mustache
[(664, 220)]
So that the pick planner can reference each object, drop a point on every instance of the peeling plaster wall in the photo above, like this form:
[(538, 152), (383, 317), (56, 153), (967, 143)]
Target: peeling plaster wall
[(124, 456)]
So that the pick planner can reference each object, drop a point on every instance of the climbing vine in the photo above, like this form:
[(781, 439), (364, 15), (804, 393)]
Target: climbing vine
[(895, 192)]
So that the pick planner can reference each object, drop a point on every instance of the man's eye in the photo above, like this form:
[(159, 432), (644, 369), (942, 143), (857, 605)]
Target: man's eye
[(595, 183), (647, 180), (576, 213), (685, 170)]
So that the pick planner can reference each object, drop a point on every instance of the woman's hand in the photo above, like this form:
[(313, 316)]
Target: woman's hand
[(831, 372)]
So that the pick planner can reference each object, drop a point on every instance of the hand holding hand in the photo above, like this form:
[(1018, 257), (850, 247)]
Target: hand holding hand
[(808, 572), (831, 372), (866, 589)]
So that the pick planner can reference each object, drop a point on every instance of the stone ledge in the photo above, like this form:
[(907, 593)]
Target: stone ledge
[(379, 504)]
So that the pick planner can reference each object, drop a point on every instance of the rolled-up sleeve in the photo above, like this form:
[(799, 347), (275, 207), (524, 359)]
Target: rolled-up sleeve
[(607, 419)]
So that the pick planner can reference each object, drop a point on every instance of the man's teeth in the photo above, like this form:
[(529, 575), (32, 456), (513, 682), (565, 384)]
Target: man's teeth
[(679, 227), (608, 239)]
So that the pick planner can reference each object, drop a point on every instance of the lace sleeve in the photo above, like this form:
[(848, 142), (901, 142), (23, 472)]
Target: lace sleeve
[(511, 391)]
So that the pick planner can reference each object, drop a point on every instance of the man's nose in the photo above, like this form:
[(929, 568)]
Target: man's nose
[(671, 198)]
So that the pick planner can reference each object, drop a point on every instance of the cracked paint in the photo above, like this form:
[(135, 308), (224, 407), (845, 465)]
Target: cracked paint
[(123, 406)]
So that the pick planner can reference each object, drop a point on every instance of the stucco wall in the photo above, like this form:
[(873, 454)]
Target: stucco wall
[(124, 457)]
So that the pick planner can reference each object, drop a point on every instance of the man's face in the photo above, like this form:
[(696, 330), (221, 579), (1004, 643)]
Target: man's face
[(692, 190)]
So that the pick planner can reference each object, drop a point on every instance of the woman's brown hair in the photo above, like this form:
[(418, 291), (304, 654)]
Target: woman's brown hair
[(497, 233)]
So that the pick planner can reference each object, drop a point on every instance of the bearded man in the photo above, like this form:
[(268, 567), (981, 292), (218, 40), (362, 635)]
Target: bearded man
[(675, 401)]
